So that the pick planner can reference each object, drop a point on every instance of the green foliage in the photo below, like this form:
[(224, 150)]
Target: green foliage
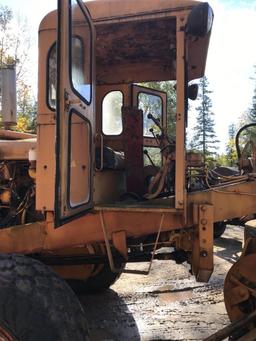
[(204, 138), (231, 154), (150, 104), (252, 110), (26, 109), (168, 87), (14, 47), (249, 116), (221, 160), (6, 36), (153, 105), (247, 141)]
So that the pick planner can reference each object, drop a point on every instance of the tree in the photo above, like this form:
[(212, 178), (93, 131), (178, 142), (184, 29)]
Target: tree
[(204, 138), (252, 110), (5, 36), (231, 154), (26, 109), (14, 47), (168, 87)]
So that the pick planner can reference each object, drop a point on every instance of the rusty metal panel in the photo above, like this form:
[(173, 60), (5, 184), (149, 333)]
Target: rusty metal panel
[(180, 118), (133, 149), (143, 54)]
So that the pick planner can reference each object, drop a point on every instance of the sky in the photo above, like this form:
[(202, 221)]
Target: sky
[(232, 54)]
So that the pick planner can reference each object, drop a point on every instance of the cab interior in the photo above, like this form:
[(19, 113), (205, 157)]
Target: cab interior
[(129, 50)]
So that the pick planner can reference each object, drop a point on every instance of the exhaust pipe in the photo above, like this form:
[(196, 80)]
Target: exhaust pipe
[(8, 100)]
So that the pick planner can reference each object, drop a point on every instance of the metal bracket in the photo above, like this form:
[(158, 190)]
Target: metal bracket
[(202, 253), (118, 245), (108, 247), (119, 242)]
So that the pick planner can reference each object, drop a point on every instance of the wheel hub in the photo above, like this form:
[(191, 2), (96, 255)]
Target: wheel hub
[(240, 288)]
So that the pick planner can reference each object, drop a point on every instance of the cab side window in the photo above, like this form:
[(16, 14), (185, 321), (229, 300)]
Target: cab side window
[(112, 113), (52, 77)]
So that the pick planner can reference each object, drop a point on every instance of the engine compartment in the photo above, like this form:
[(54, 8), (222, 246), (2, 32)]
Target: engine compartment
[(17, 194)]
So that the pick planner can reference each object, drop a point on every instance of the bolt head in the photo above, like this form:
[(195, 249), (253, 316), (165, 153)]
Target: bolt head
[(203, 253)]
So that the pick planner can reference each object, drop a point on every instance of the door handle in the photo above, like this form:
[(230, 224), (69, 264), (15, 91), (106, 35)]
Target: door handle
[(69, 102)]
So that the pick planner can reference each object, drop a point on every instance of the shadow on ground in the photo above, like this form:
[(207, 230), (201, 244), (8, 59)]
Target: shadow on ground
[(109, 318), (228, 249)]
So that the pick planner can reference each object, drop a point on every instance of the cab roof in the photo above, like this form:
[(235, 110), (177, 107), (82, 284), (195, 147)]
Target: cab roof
[(106, 9), (136, 40)]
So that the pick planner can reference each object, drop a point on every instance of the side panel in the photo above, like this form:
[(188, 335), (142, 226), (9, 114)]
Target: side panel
[(180, 191), (46, 129)]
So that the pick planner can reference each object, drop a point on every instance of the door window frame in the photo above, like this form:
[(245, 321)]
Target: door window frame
[(64, 213), (71, 36), (70, 114)]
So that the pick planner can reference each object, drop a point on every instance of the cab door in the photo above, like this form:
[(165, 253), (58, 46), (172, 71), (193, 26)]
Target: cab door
[(150, 101), (75, 111), (154, 102)]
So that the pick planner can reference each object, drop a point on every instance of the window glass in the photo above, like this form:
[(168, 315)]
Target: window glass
[(81, 53), (79, 161), (112, 113), (52, 77), (153, 154), (150, 104), (77, 66)]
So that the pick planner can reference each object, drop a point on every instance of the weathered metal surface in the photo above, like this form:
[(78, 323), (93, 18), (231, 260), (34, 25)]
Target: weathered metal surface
[(202, 254), (239, 289), (133, 148)]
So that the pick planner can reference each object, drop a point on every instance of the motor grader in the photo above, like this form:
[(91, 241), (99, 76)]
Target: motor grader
[(103, 183)]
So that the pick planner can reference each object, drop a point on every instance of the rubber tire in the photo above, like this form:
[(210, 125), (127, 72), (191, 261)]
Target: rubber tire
[(249, 230), (98, 283), (219, 228), (37, 305)]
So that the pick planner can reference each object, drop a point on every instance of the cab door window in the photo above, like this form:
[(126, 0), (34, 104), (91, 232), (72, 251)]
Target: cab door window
[(80, 80), (81, 66), (150, 104)]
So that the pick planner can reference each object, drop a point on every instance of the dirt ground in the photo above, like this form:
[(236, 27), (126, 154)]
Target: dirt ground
[(168, 304)]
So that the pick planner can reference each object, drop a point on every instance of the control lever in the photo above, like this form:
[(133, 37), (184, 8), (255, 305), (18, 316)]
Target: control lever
[(145, 152), (151, 130), (156, 121)]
